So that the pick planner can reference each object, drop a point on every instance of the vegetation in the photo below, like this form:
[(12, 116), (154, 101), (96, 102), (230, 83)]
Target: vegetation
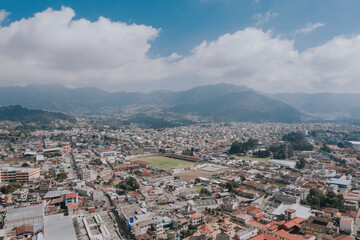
[(188, 152), (26, 116), (25, 165), (10, 188), (239, 147), (204, 192), (58, 177), (317, 199), (52, 154), (262, 154), (231, 185), (345, 144), (297, 141), (61, 176), (280, 151), (127, 185), (301, 163), (325, 148), (96, 162)]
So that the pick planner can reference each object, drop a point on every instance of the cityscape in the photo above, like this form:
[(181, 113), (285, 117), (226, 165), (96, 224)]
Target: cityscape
[(191, 119)]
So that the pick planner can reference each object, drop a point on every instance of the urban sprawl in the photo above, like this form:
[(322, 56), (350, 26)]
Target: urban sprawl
[(256, 181)]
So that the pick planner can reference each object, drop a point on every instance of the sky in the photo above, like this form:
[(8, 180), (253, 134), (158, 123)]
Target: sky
[(142, 45)]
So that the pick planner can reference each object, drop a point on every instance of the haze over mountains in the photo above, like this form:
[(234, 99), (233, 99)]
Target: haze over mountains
[(221, 102), (26, 116)]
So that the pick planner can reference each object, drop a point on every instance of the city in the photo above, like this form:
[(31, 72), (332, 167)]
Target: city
[(188, 182), (179, 119)]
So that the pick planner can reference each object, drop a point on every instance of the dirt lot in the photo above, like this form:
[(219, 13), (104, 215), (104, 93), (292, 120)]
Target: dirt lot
[(191, 175)]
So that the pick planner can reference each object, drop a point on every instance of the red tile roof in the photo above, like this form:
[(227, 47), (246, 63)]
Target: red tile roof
[(264, 236), (25, 229), (287, 236), (70, 195), (72, 205), (293, 222), (344, 238), (196, 215)]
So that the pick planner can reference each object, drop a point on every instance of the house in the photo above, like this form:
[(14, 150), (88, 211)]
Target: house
[(71, 198), (189, 194), (176, 185), (318, 224), (282, 234), (197, 219), (346, 224), (264, 236)]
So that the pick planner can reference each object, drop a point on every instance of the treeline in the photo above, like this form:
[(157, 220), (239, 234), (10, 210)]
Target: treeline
[(24, 115), (317, 199), (239, 147), (297, 141)]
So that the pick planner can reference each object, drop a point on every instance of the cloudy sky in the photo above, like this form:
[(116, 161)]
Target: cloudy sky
[(142, 45)]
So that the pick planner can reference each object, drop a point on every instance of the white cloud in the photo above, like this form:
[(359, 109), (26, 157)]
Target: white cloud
[(310, 27), (52, 47), (261, 19), (335, 64), (251, 57), (3, 15)]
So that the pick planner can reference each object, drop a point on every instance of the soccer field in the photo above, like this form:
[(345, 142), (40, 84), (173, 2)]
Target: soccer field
[(165, 162)]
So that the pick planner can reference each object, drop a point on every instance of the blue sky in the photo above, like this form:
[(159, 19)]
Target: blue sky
[(185, 24)]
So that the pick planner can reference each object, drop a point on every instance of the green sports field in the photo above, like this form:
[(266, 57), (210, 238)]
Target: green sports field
[(165, 162)]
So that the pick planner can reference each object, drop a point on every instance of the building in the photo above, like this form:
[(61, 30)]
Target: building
[(346, 224), (87, 175), (286, 198), (59, 227), (22, 175), (283, 163), (16, 217), (103, 152), (71, 198), (197, 219)]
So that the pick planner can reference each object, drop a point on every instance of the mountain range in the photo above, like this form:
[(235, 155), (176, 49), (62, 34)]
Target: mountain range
[(220, 102), (27, 116)]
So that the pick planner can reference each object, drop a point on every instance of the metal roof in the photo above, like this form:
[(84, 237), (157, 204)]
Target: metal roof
[(16, 214)]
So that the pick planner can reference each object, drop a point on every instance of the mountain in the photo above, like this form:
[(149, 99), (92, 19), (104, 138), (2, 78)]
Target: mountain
[(324, 105), (207, 92), (240, 106), (220, 102), (26, 116)]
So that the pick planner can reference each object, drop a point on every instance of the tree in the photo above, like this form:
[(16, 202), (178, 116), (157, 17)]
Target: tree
[(51, 174), (25, 165), (297, 141), (325, 148), (187, 152), (10, 188), (61, 176), (345, 144), (262, 153), (205, 192), (301, 163), (280, 151), (129, 184), (317, 199), (97, 162), (239, 147)]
